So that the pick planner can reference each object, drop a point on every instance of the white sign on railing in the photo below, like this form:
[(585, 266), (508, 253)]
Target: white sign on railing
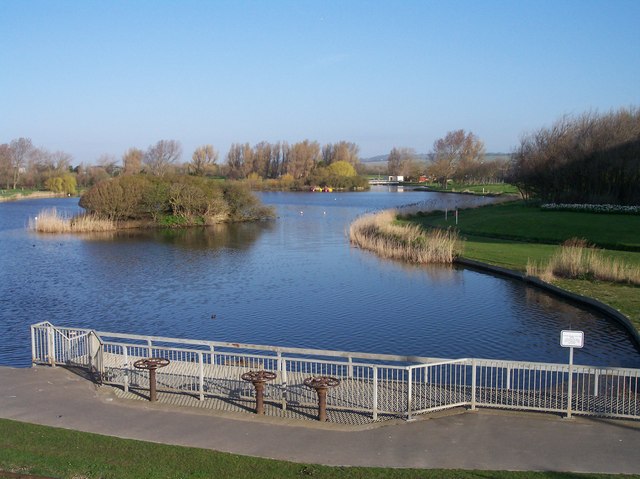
[(571, 339)]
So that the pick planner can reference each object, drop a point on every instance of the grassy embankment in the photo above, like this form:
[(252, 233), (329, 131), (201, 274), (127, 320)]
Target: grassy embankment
[(24, 193), (488, 189), (515, 236), (60, 453)]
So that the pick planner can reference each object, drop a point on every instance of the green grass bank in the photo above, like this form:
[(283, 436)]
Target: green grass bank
[(61, 453), (513, 235), (484, 189)]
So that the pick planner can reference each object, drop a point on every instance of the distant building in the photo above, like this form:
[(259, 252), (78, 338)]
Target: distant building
[(396, 178)]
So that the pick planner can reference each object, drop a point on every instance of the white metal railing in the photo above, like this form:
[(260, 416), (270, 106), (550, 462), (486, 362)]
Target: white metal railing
[(376, 384)]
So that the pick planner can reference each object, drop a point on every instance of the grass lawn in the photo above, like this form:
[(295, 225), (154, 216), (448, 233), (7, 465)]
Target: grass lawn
[(517, 221), (32, 449), (8, 193), (511, 234), (492, 188)]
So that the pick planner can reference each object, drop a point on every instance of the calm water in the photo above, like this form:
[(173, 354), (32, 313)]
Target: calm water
[(294, 281)]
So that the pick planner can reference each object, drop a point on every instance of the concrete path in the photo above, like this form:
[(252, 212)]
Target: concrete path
[(483, 439)]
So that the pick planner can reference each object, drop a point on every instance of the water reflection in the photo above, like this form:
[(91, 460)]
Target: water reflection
[(205, 237)]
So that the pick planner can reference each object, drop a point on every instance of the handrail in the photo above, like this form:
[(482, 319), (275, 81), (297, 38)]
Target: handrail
[(380, 387), (419, 361), (276, 349)]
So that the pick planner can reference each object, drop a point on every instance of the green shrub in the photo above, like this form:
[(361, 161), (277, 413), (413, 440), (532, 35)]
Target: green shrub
[(242, 204), (65, 183), (195, 200), (118, 198)]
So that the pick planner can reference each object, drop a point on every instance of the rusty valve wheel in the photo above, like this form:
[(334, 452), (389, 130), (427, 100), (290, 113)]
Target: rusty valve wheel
[(151, 364), (258, 378), (316, 382), (321, 384)]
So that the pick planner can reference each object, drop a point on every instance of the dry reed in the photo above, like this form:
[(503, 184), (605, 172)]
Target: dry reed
[(378, 233), (576, 259), (52, 221)]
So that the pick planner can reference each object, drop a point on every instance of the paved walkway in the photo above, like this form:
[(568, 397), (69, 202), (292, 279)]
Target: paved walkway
[(468, 440)]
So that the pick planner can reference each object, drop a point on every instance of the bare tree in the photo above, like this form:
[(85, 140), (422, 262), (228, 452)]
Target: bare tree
[(341, 151), (21, 148), (590, 158), (160, 157), (400, 161), (61, 161), (302, 158), (132, 161), (6, 173), (203, 158), (455, 154), (239, 160)]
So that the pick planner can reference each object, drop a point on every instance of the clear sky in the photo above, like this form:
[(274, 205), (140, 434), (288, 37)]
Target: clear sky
[(97, 77)]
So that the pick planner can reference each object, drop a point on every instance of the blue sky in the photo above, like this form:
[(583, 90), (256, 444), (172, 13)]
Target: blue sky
[(97, 77)]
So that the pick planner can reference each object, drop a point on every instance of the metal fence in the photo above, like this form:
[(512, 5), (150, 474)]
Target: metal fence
[(382, 386)]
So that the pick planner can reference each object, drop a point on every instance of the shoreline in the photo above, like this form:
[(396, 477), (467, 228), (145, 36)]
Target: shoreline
[(568, 295), (36, 195), (584, 301)]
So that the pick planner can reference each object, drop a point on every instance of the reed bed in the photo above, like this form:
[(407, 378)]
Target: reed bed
[(378, 233), (578, 260), (52, 221)]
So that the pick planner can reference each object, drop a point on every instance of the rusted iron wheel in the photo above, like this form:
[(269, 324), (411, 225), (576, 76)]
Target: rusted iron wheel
[(316, 382), (151, 363), (258, 379), (321, 385), (254, 376)]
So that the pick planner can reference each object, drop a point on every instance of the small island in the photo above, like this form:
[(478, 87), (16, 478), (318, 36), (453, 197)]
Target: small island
[(145, 201)]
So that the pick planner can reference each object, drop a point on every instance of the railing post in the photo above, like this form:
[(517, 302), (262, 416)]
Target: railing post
[(90, 350), (126, 369), (99, 356), (508, 377), (201, 376), (409, 392), (350, 367), (375, 393), (596, 380), (283, 382), (51, 340), (473, 384), (149, 345), (95, 350), (570, 388), (34, 354)]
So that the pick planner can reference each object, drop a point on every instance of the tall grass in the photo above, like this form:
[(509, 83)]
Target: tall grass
[(576, 259), (52, 221), (379, 233)]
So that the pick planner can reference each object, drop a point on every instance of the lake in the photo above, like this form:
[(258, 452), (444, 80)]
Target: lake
[(294, 281)]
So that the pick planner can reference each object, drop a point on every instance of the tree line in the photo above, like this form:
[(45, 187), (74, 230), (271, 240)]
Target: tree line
[(590, 158), (458, 156), (24, 165)]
